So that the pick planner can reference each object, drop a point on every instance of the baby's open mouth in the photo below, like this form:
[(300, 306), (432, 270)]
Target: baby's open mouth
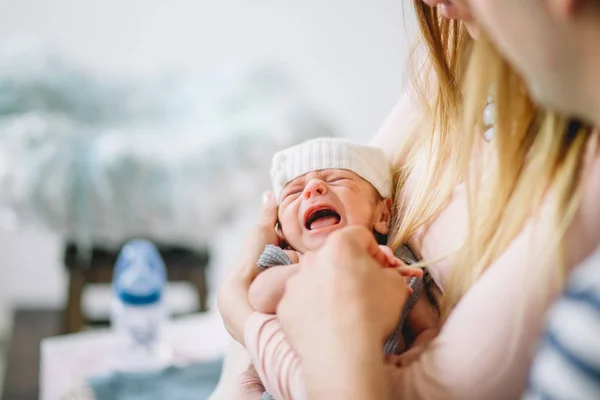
[(322, 218)]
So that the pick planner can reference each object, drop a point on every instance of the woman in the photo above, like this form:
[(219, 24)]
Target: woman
[(567, 33), (531, 217)]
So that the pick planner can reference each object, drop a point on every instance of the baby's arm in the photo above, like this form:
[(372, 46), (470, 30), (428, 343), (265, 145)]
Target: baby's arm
[(422, 324), (267, 289), (423, 321)]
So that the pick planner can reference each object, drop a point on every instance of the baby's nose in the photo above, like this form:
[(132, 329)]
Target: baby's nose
[(315, 187)]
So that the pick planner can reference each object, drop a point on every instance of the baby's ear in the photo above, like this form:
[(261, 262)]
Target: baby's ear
[(280, 235), (383, 216)]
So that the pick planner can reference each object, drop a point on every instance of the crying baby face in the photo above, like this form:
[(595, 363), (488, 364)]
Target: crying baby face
[(320, 202)]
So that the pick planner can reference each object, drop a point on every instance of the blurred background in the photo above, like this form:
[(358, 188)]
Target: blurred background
[(157, 119)]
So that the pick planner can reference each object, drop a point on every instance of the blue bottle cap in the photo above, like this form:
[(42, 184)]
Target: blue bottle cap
[(138, 300), (140, 273)]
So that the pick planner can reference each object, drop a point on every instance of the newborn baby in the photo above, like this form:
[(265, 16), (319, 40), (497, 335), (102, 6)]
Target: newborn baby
[(321, 186)]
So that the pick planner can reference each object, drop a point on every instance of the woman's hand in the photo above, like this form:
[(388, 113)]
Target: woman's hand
[(233, 295), (338, 310), (348, 277), (401, 267)]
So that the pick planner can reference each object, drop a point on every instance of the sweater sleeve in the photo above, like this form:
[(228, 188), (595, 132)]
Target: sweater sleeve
[(277, 365), (239, 380)]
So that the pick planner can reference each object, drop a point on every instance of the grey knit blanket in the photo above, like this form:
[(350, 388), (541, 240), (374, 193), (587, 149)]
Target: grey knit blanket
[(274, 256)]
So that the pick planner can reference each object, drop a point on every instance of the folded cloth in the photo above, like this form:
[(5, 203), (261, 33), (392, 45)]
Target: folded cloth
[(191, 382)]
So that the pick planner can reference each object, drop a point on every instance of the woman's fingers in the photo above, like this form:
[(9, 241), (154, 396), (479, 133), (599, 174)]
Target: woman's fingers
[(268, 219), (268, 216), (233, 299), (395, 262), (410, 271), (266, 225), (398, 265), (399, 282), (354, 241), (262, 235), (392, 261)]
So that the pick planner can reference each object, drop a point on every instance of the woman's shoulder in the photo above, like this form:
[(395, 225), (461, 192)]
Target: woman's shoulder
[(397, 127)]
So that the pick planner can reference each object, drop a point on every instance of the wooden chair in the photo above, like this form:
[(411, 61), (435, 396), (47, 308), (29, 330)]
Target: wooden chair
[(182, 265)]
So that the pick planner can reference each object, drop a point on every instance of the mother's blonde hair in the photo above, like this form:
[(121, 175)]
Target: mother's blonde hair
[(532, 152)]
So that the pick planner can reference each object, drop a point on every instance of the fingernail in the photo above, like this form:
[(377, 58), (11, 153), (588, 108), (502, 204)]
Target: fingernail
[(266, 197)]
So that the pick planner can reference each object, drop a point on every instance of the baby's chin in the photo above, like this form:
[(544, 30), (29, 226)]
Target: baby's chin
[(314, 240), (313, 244)]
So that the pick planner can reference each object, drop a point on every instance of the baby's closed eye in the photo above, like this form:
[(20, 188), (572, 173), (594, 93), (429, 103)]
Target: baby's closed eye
[(338, 179), (292, 192)]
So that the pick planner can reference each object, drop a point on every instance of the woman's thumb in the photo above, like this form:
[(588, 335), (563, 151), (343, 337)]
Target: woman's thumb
[(269, 211)]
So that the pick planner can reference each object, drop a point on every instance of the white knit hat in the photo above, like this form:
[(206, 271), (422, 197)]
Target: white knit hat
[(370, 163)]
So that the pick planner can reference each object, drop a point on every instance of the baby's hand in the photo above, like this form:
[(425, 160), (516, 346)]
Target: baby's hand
[(404, 359), (293, 255), (395, 262)]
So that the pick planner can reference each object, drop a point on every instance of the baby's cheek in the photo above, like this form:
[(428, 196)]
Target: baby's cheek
[(288, 223), (287, 217), (363, 215), (291, 236)]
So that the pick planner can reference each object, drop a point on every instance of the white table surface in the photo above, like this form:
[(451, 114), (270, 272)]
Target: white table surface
[(67, 360)]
